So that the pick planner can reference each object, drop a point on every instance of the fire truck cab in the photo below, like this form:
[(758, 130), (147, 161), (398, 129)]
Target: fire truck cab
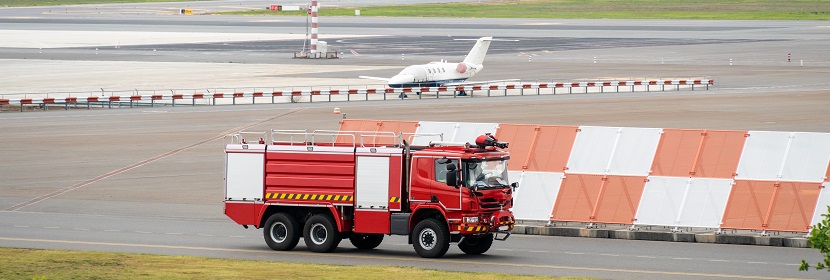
[(324, 186)]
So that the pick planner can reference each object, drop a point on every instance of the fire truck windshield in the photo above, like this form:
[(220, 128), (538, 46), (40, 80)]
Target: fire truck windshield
[(486, 174)]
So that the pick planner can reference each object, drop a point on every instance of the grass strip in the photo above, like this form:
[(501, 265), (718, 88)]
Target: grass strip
[(592, 9), (29, 3), (56, 264)]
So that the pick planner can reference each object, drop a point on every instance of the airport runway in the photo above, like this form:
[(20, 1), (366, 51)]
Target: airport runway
[(150, 179)]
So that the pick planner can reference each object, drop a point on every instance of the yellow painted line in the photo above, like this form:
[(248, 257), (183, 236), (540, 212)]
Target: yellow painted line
[(399, 258)]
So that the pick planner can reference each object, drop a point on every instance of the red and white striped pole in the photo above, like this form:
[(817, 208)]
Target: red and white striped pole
[(313, 26)]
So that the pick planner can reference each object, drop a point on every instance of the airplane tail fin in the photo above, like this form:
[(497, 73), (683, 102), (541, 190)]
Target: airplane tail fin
[(476, 55)]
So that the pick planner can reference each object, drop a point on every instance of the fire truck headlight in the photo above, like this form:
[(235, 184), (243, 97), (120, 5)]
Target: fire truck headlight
[(470, 220)]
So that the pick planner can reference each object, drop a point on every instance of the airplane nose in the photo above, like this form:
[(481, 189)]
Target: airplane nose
[(401, 80)]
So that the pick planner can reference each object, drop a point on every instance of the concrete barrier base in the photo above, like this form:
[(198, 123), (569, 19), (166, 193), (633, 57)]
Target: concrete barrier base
[(665, 235)]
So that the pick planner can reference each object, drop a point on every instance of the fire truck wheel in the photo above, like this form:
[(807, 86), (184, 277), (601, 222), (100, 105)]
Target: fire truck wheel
[(366, 241), (320, 234), (281, 232), (476, 245), (431, 238)]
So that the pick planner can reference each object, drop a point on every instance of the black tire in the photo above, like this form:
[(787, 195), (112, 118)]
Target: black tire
[(366, 241), (320, 234), (476, 245), (281, 232), (431, 238)]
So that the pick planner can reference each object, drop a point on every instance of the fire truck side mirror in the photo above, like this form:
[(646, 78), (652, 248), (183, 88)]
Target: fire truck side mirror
[(452, 175), (514, 185)]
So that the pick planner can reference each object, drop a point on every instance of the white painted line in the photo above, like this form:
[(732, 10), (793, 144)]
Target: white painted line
[(84, 229), (112, 230), (206, 235), (237, 236), (609, 255), (504, 250), (681, 258), (51, 227), (143, 232), (757, 262), (174, 233), (539, 251), (718, 260), (574, 253), (20, 226), (647, 257)]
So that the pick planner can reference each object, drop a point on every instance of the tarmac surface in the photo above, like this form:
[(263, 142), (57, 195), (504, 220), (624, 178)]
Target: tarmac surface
[(149, 180)]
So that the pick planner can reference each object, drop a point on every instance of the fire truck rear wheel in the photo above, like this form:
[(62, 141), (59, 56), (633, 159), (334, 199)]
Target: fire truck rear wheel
[(366, 241), (476, 245), (320, 234), (431, 238), (281, 232)]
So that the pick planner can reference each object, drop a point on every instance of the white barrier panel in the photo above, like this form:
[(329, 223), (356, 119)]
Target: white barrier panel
[(683, 202), (452, 131), (614, 150), (537, 192), (821, 205), (785, 156)]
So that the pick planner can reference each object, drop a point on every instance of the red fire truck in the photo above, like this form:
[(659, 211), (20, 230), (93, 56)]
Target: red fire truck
[(324, 186)]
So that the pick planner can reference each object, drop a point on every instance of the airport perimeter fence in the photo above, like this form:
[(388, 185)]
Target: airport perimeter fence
[(681, 179), (302, 94)]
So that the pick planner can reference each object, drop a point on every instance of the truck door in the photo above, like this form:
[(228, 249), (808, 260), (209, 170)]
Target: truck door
[(449, 196)]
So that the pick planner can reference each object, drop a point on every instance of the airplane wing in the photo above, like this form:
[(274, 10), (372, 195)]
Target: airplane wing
[(479, 83), (374, 78)]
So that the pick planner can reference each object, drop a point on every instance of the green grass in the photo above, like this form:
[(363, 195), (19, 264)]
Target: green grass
[(595, 9), (26, 3), (54, 264)]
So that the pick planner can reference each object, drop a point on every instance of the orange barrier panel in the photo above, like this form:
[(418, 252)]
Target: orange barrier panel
[(598, 198), (827, 175), (395, 127), (698, 153), (543, 148), (770, 205)]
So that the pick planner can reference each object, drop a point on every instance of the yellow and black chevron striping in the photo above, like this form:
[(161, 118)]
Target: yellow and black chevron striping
[(506, 223), (394, 199), (475, 228), (300, 196)]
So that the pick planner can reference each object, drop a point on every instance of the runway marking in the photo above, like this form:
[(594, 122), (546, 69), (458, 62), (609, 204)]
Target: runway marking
[(174, 233), (51, 227), (142, 163), (647, 257), (83, 229), (532, 251), (143, 232), (718, 260), (409, 259), (19, 226)]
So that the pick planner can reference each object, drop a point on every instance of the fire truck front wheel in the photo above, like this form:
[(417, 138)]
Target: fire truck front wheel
[(281, 232), (320, 234), (431, 238), (366, 241), (476, 245)]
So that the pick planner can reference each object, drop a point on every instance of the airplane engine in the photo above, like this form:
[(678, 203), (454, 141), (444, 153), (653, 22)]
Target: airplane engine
[(461, 68)]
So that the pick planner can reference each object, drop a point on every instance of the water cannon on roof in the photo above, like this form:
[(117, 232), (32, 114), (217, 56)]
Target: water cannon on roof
[(488, 140)]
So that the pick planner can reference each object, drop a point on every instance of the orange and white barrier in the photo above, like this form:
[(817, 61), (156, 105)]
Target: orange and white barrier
[(311, 92), (725, 179)]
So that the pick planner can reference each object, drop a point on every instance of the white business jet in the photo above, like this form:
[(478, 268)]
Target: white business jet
[(444, 73)]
